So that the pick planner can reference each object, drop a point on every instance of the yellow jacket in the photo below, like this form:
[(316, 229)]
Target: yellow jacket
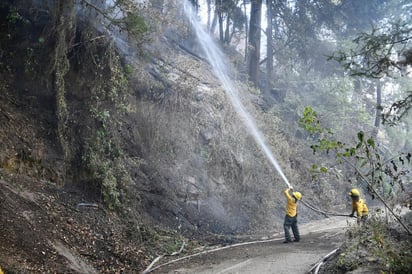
[(291, 205), (360, 208)]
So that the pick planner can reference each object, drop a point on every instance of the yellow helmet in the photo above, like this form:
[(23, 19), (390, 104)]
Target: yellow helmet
[(354, 192), (297, 195)]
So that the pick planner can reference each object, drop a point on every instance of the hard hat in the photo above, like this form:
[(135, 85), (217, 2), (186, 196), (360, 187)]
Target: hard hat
[(354, 192), (297, 195)]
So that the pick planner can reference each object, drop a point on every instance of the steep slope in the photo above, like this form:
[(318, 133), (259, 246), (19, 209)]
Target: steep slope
[(142, 134)]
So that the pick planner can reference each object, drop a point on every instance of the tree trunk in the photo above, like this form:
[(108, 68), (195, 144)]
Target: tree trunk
[(357, 89), (227, 30), (196, 5), (378, 104), (254, 41), (214, 22), (246, 29), (269, 47), (209, 10), (378, 108), (220, 19)]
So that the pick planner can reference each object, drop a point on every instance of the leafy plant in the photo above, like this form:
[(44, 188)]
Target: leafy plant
[(135, 24), (365, 158), (103, 156), (376, 243), (13, 17)]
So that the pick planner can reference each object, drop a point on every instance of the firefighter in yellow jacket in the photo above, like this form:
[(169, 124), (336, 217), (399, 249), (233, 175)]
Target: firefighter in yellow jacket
[(291, 218), (359, 206)]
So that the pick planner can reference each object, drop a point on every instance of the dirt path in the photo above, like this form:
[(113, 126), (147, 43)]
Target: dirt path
[(268, 256)]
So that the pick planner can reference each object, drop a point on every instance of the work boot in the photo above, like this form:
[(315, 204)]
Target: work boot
[(296, 240), (287, 241)]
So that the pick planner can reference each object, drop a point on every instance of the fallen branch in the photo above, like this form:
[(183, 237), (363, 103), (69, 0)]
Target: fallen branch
[(88, 41), (92, 205)]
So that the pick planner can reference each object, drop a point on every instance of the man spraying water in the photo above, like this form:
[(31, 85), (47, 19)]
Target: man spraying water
[(291, 217)]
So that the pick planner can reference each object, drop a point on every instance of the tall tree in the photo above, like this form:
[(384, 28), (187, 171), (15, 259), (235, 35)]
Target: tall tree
[(269, 47), (246, 29), (209, 10), (378, 104), (254, 41), (219, 13)]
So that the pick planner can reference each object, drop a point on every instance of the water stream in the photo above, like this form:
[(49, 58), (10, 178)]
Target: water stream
[(217, 60)]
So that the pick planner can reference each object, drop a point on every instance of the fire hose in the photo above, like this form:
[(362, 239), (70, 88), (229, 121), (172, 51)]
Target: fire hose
[(151, 267), (325, 213)]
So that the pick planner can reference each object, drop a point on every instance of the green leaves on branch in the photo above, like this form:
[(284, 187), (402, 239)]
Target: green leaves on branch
[(398, 110), (310, 121), (316, 169), (325, 139), (366, 158), (311, 124), (133, 24), (131, 21), (384, 52), (375, 55)]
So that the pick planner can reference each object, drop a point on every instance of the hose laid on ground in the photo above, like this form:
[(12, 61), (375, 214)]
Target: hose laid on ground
[(317, 266), (150, 268)]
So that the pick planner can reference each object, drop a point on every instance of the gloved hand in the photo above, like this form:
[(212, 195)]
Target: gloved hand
[(351, 215)]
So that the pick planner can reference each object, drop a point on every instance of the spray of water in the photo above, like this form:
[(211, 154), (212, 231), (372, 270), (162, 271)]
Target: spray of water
[(217, 60)]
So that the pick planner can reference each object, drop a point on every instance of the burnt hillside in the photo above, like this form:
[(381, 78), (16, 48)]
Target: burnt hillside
[(114, 151)]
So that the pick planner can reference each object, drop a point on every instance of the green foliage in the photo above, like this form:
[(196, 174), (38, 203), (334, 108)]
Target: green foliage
[(364, 156), (135, 24), (398, 110), (374, 56), (333, 99), (31, 63), (14, 17), (103, 158), (379, 244), (384, 52), (310, 121), (128, 69), (103, 155)]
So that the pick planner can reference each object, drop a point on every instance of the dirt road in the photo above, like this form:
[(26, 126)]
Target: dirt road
[(268, 256)]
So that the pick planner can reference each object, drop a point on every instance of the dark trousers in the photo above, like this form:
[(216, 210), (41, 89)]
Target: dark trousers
[(363, 220), (291, 222)]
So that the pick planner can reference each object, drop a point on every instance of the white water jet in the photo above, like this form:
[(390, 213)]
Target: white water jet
[(217, 60)]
